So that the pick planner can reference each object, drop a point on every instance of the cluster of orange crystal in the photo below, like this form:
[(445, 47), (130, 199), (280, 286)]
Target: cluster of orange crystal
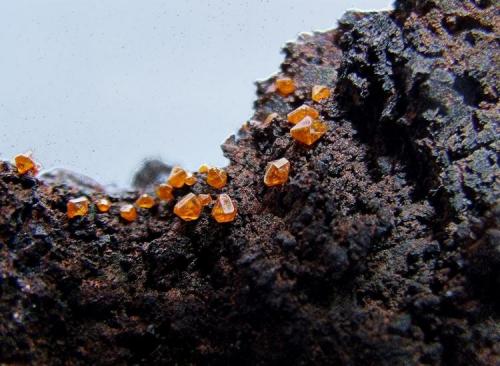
[(79, 207), (286, 86), (180, 177), (308, 126), (188, 208), (307, 129)]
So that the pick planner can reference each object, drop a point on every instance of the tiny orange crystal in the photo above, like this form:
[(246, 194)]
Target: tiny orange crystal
[(224, 209), (308, 131), (145, 201), (216, 177), (77, 207), (165, 192), (188, 208), (177, 177), (128, 212), (190, 179), (103, 204), (205, 199), (285, 86), (302, 112), (203, 168), (320, 92), (25, 163), (277, 172)]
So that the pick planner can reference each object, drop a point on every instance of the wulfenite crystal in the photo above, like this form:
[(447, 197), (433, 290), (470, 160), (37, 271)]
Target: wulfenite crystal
[(302, 112), (224, 209), (188, 208), (308, 131), (77, 207), (277, 172)]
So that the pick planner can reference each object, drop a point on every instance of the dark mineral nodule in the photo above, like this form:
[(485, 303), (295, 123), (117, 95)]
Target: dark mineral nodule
[(383, 248)]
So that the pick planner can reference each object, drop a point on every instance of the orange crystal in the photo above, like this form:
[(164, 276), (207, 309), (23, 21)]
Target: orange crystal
[(77, 207), (165, 192), (190, 179), (25, 163), (145, 201), (308, 131), (285, 86), (302, 112), (320, 92), (177, 177), (205, 199), (216, 177), (103, 204), (128, 212), (224, 209), (203, 168), (277, 172), (188, 208)]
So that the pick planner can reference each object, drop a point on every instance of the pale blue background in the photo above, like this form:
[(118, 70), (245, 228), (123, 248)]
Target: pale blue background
[(98, 85)]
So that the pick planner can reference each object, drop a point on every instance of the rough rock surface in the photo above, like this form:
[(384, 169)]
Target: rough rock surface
[(383, 249)]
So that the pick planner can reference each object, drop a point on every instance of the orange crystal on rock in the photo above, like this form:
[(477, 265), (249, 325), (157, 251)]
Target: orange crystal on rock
[(128, 212), (285, 86), (277, 172), (203, 168), (25, 163), (320, 92), (145, 201), (216, 177), (190, 179), (165, 192), (103, 204), (302, 112), (77, 207), (188, 208), (308, 131), (224, 209), (205, 199), (177, 177)]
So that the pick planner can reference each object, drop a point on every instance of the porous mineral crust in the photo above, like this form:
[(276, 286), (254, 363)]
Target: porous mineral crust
[(382, 248)]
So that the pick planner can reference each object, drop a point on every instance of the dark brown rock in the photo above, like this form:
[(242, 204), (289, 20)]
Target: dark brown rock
[(382, 248)]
